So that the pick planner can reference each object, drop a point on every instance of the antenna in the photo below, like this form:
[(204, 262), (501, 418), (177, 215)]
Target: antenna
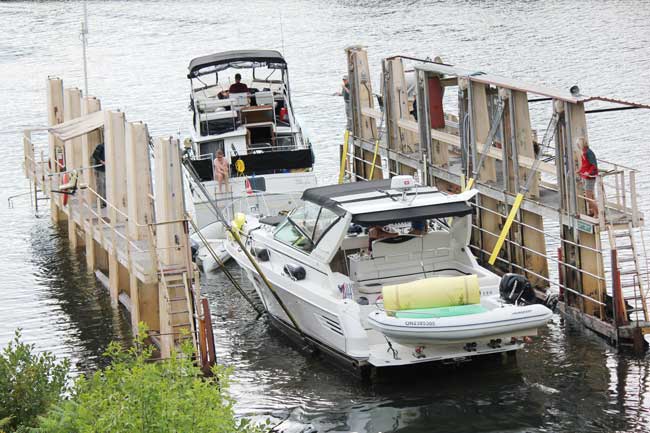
[(281, 31), (84, 44)]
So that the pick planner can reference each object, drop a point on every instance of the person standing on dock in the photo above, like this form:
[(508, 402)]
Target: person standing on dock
[(100, 172), (345, 92), (588, 172)]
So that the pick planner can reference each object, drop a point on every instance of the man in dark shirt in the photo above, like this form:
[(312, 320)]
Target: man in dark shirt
[(345, 92), (100, 171), (237, 86)]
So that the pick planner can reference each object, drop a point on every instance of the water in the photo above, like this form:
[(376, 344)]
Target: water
[(139, 50)]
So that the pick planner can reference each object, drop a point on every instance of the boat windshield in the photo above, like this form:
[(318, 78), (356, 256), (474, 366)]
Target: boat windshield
[(306, 226)]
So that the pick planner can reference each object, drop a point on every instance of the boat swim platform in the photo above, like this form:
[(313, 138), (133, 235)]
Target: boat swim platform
[(456, 128), (135, 233)]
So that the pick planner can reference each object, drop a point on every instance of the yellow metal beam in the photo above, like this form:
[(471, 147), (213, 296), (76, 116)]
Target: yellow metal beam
[(374, 160), (506, 227), (344, 155)]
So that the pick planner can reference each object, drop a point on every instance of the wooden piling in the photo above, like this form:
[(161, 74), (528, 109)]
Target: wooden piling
[(140, 210), (114, 133), (169, 206), (89, 142), (362, 100), (488, 218), (54, 117), (531, 232), (73, 156)]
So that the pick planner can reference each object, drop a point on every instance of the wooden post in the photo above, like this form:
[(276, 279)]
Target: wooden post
[(114, 125), (140, 206), (489, 220), (396, 109), (54, 117), (534, 240), (361, 97), (589, 260), (89, 141), (169, 206), (72, 110)]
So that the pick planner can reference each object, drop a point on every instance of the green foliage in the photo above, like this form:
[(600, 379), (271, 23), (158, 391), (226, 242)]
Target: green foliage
[(134, 394), (29, 384)]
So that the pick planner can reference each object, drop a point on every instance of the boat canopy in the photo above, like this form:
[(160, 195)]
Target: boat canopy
[(235, 59), (375, 203)]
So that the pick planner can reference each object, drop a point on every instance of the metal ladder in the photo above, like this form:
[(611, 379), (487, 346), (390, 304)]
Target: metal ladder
[(633, 278)]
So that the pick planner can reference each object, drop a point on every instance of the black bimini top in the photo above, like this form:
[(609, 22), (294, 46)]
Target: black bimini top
[(238, 58), (374, 203)]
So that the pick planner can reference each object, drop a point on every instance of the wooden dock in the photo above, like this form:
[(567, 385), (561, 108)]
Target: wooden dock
[(135, 236), (460, 128)]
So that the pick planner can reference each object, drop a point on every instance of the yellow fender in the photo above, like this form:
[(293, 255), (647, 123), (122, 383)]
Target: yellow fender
[(237, 223)]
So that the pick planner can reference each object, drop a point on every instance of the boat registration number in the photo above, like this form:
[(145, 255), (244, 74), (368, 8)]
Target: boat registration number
[(423, 323)]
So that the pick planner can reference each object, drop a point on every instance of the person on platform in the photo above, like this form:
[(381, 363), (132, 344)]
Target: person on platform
[(238, 86), (100, 172), (345, 92), (221, 171), (589, 172)]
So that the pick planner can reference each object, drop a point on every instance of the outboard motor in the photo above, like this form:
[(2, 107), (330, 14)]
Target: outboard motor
[(515, 288)]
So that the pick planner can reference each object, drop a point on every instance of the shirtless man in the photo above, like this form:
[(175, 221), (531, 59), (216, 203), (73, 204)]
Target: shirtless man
[(221, 171)]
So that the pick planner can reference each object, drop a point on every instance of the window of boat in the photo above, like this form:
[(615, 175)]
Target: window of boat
[(305, 217), (289, 233), (326, 218)]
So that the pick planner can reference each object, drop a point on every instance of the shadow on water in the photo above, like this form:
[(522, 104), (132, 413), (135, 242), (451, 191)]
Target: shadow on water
[(91, 322)]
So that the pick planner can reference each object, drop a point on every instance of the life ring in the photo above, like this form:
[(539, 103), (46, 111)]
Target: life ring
[(65, 194)]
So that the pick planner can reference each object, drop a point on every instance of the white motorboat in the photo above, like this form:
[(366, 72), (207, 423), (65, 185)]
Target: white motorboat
[(380, 273), (269, 160)]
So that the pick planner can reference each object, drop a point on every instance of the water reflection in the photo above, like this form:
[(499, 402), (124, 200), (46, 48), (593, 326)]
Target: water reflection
[(81, 304)]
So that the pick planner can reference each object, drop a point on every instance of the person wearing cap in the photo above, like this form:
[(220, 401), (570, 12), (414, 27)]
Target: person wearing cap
[(345, 92)]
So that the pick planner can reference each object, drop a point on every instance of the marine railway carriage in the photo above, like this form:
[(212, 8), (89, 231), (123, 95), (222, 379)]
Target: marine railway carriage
[(257, 131), (410, 297)]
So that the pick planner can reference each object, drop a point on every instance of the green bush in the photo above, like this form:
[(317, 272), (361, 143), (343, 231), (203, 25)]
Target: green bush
[(29, 384), (134, 394)]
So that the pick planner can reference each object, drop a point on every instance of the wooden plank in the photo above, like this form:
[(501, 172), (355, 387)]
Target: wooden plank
[(503, 82), (481, 126), (524, 140), (532, 232), (493, 152), (138, 180), (115, 189), (54, 117), (89, 141), (115, 153), (72, 148), (169, 207)]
